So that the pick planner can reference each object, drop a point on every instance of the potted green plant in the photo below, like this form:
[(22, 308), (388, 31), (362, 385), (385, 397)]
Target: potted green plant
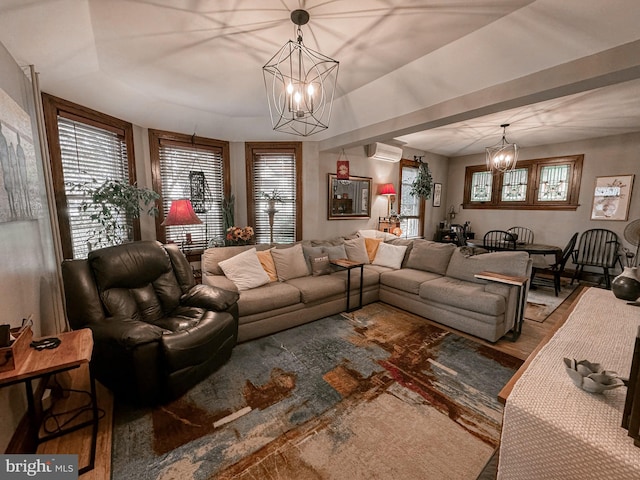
[(111, 204), (423, 183)]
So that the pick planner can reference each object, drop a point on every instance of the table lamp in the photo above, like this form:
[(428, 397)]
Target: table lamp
[(181, 213), (389, 190)]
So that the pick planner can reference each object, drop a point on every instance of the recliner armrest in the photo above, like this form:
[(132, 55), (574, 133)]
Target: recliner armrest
[(209, 297), (125, 332)]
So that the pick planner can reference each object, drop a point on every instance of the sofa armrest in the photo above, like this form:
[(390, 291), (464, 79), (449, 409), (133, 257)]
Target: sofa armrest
[(210, 297), (124, 332)]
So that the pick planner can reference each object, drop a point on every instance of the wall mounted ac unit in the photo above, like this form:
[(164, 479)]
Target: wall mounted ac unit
[(382, 151)]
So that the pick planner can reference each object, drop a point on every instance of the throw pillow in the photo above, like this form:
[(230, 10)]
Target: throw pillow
[(335, 252), (290, 262), (371, 244), (356, 250), (309, 252), (266, 260), (320, 264), (245, 270), (430, 256), (390, 255)]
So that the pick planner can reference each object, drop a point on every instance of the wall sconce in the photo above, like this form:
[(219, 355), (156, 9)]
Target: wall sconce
[(389, 190)]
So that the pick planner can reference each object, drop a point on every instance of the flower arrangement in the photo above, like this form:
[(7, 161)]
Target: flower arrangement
[(239, 236), (274, 196)]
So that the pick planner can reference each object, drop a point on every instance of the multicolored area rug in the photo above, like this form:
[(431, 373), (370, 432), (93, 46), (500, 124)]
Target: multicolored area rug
[(375, 394)]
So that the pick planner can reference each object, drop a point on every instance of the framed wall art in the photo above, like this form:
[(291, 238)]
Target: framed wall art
[(437, 194), (612, 197)]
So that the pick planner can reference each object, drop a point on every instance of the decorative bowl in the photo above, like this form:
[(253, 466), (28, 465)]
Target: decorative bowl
[(590, 376)]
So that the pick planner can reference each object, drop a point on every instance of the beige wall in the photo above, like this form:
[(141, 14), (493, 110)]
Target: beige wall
[(28, 274), (615, 155)]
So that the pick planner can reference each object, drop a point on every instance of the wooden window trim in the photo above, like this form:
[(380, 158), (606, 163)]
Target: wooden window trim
[(54, 106), (163, 137), (421, 208), (252, 148), (532, 203)]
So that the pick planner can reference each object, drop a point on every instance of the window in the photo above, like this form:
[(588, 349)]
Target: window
[(85, 146), (195, 168), (540, 184), (411, 208), (275, 167)]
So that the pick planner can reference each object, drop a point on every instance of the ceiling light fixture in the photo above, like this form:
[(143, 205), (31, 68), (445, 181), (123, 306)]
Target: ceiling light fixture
[(503, 156), (300, 84)]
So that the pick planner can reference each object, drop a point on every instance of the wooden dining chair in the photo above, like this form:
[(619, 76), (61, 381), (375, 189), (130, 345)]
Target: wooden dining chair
[(555, 269), (495, 240), (597, 247), (522, 234)]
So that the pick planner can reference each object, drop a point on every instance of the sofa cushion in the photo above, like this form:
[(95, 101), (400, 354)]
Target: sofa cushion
[(407, 243), (245, 270), (390, 255), (372, 244), (320, 265), (356, 250), (266, 260), (211, 257), (268, 297), (309, 251), (430, 256), (335, 252), (315, 289), (290, 262), (462, 294), (507, 263), (370, 276), (407, 279)]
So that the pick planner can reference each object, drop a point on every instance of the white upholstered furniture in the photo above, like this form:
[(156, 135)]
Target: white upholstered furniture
[(554, 430)]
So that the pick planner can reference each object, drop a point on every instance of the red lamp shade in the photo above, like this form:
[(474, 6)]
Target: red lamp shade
[(387, 189), (181, 213)]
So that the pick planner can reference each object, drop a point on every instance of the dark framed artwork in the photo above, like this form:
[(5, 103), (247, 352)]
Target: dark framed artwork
[(437, 194)]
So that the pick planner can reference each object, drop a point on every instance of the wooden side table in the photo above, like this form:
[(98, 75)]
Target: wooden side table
[(348, 265), (75, 349)]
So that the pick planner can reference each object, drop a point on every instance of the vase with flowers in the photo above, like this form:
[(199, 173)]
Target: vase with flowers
[(239, 236)]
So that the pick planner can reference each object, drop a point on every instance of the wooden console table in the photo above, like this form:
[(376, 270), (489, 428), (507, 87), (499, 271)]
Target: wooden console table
[(553, 429), (75, 349)]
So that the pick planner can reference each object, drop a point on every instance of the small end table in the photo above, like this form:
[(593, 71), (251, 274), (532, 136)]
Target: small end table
[(349, 265), (74, 350)]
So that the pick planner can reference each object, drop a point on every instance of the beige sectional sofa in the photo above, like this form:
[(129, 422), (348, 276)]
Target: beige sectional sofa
[(433, 280)]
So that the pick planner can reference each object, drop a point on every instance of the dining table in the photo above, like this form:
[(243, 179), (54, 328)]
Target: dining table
[(530, 248)]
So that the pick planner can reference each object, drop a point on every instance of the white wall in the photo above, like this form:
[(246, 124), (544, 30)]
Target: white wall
[(28, 274), (615, 155)]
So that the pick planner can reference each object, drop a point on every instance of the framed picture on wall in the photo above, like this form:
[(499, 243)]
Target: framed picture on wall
[(437, 194), (612, 197)]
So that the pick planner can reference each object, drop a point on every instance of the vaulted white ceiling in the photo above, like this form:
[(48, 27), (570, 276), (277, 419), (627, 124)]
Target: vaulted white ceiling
[(439, 76)]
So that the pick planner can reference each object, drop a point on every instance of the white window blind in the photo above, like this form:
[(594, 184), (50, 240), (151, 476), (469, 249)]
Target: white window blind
[(182, 167), (275, 171), (89, 154)]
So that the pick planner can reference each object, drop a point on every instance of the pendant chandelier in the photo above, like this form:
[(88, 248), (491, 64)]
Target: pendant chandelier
[(300, 84), (503, 156)]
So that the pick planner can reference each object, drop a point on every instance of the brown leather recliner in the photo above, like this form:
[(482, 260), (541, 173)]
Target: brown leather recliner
[(156, 333)]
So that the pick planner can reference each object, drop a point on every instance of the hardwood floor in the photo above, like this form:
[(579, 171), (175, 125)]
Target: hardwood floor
[(78, 442)]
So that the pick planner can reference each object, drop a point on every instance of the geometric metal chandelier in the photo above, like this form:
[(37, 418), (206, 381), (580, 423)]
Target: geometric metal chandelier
[(300, 84), (503, 156)]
